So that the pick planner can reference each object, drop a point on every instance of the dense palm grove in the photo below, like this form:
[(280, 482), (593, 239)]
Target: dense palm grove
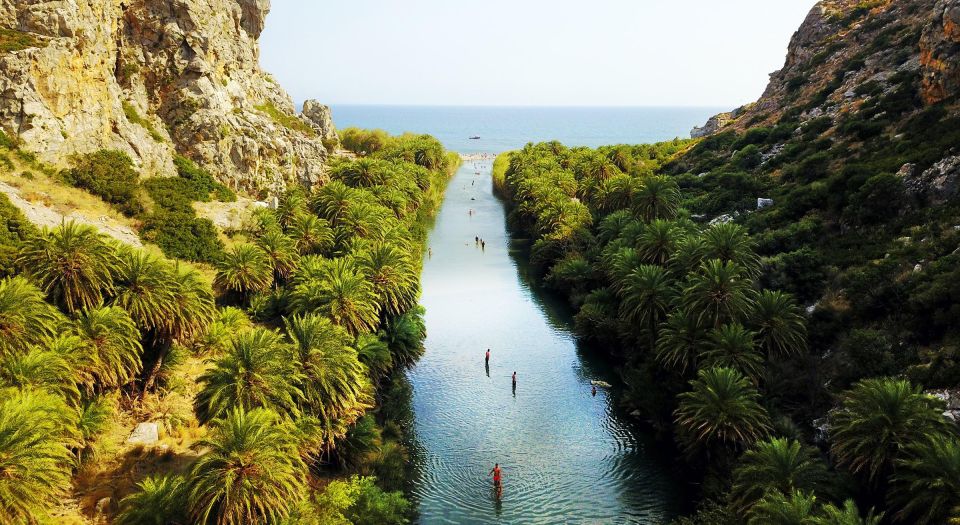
[(278, 366), (713, 356)]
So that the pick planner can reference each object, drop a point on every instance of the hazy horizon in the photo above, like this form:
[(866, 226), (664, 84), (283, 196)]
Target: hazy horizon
[(536, 53)]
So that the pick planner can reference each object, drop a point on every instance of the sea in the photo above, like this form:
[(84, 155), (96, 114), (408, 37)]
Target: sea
[(506, 128)]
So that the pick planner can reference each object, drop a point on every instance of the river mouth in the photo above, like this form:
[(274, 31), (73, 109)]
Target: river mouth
[(567, 456)]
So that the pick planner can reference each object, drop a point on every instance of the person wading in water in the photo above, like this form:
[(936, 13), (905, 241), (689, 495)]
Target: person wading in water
[(497, 474)]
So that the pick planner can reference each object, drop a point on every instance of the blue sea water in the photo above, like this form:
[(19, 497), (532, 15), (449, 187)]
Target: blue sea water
[(506, 128)]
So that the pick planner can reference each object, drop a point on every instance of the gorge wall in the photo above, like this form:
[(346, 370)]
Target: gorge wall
[(844, 45), (155, 78)]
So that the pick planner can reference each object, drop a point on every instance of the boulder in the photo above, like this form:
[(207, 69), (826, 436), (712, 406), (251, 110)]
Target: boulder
[(937, 184), (763, 203), (144, 434)]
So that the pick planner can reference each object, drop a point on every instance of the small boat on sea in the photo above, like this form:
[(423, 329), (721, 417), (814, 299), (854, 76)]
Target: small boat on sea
[(475, 137)]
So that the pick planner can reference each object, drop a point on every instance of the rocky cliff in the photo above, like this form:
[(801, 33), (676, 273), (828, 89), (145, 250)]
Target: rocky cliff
[(155, 78), (847, 51)]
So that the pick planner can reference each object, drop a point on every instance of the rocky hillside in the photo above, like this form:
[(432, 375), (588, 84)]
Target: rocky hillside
[(154, 78), (847, 173), (849, 51)]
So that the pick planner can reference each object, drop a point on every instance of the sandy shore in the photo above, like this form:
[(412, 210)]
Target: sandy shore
[(477, 156)]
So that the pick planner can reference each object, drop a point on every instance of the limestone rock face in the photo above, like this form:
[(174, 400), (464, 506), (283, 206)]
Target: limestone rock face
[(154, 78), (320, 119), (940, 52)]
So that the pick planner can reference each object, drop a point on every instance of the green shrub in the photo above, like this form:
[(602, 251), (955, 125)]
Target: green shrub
[(12, 40), (110, 175), (202, 182), (183, 236), (6, 141), (135, 118), (285, 119)]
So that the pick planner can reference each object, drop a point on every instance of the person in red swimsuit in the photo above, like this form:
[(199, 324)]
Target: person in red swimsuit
[(496, 475)]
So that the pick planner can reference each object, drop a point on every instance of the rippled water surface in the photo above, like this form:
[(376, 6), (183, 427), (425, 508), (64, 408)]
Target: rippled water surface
[(567, 457)]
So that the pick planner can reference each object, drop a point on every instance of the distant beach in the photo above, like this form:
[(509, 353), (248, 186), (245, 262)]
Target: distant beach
[(476, 157)]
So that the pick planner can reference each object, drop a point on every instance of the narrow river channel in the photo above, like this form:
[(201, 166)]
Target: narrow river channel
[(567, 456)]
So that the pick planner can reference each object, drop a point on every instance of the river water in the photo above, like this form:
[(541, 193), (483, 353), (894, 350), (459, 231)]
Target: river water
[(567, 456)]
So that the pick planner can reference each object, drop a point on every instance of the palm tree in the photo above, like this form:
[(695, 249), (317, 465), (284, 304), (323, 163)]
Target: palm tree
[(688, 255), (658, 241), (404, 335), (681, 341), (780, 325), (719, 293), (73, 264), (729, 242), (722, 410), (335, 384), (25, 318), (257, 371), (342, 294), (42, 369), (373, 352), (293, 204), (794, 508), (311, 234), (35, 435), (849, 514), (229, 322), (362, 173), (332, 200), (927, 482), (877, 420), (251, 471), (780, 465), (192, 311), (282, 252), (731, 345), (392, 275), (143, 288), (646, 294), (244, 269), (159, 500), (111, 357), (657, 197)]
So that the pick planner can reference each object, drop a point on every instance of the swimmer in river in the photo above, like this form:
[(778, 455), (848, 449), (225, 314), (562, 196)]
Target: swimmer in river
[(594, 390)]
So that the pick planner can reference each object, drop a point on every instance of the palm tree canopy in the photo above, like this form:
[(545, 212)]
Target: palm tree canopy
[(251, 471), (719, 293), (657, 197), (73, 264), (244, 268), (927, 482), (681, 341), (780, 325), (722, 409), (732, 345), (777, 464), (36, 431), (112, 353), (877, 420), (25, 318), (257, 371), (795, 508), (338, 290)]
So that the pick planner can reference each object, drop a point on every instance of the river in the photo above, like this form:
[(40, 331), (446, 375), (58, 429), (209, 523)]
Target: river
[(567, 456)]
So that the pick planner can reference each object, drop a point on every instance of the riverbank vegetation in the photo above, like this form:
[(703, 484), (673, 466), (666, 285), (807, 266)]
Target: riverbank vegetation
[(790, 385), (274, 388)]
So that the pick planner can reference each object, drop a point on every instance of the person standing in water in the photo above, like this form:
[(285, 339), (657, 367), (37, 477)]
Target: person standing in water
[(483, 245), (497, 478), (514, 379), (594, 390), (487, 359)]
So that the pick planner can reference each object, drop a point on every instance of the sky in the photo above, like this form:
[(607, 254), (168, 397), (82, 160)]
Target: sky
[(529, 52)]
